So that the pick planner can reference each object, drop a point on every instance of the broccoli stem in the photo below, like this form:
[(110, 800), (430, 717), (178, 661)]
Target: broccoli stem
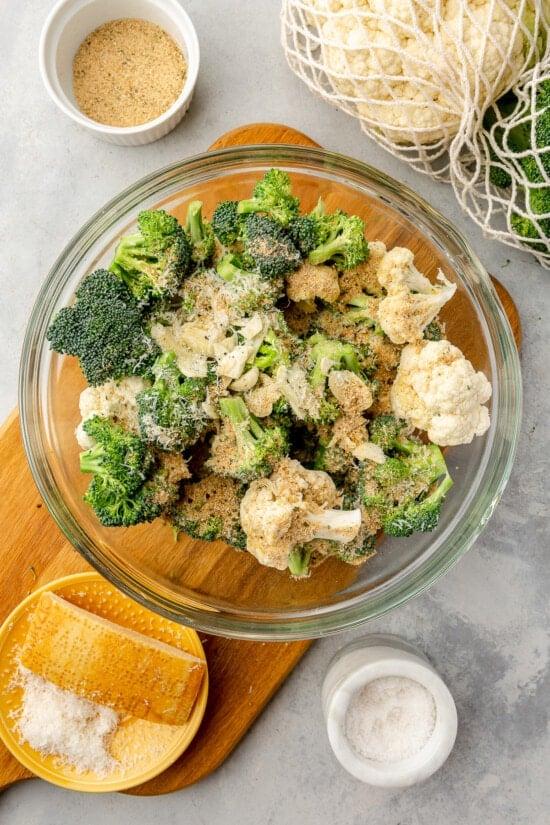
[(247, 429), (327, 250), (227, 269), (248, 206), (235, 409), (298, 562), (194, 225), (441, 491), (319, 209)]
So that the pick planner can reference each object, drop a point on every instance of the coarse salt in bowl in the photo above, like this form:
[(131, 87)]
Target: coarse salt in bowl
[(391, 720), (71, 21)]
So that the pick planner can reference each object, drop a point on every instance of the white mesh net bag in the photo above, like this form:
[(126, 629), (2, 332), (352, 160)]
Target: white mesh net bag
[(420, 76), (501, 172)]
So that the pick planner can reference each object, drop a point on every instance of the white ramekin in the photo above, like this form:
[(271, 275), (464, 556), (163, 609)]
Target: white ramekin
[(70, 21), (375, 657)]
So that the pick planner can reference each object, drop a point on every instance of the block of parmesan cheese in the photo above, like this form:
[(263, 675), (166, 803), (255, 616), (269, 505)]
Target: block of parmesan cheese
[(109, 664)]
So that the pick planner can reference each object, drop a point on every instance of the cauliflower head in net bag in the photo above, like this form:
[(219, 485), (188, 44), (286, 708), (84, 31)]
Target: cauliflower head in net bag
[(412, 71)]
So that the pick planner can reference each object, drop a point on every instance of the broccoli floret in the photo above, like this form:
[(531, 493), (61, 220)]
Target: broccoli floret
[(154, 260), (272, 195), (404, 478), (363, 312), (391, 472), (433, 332), (123, 490), (542, 134), (298, 562), (385, 431), (268, 249), (328, 353), (527, 230), (226, 223), (358, 550), (419, 516), (201, 234), (209, 510), (272, 353), (115, 507), (117, 453), (259, 447), (306, 231), (396, 488), (343, 241), (170, 412), (104, 329), (518, 139), (330, 458), (427, 459), (535, 166), (252, 292), (209, 529), (329, 411), (304, 234), (497, 174)]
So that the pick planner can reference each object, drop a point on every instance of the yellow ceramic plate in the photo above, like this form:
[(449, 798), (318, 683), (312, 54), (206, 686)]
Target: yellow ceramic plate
[(143, 749)]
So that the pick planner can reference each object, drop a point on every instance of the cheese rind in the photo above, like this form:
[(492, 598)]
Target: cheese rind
[(109, 664)]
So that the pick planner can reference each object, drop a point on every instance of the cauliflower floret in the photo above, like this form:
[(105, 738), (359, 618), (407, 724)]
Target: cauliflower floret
[(114, 399), (437, 390), (349, 433), (290, 508), (309, 282), (397, 272), (412, 301), (261, 398), (246, 381)]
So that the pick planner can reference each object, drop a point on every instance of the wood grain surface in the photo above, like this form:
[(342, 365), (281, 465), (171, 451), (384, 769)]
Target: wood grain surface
[(243, 675)]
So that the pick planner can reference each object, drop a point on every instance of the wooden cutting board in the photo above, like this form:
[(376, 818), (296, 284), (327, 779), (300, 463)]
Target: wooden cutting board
[(243, 675)]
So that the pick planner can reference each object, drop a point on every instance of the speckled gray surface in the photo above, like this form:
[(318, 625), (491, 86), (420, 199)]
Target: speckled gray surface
[(485, 625)]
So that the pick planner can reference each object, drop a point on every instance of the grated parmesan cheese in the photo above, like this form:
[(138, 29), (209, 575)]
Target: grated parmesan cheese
[(58, 723)]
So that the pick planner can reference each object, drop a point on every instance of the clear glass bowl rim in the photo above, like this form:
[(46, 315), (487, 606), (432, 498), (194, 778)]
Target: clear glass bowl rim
[(311, 622)]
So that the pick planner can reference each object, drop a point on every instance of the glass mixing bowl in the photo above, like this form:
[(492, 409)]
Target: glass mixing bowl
[(211, 586)]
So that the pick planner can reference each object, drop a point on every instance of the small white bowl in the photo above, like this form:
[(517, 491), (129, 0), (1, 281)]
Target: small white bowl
[(70, 21), (375, 657)]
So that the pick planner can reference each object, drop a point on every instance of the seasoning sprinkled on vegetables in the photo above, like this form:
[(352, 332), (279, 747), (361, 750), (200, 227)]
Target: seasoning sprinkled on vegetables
[(127, 72)]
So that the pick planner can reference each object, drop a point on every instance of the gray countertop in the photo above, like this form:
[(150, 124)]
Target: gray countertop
[(485, 626)]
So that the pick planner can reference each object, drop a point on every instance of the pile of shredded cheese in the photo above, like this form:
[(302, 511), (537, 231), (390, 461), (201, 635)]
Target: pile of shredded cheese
[(57, 723)]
